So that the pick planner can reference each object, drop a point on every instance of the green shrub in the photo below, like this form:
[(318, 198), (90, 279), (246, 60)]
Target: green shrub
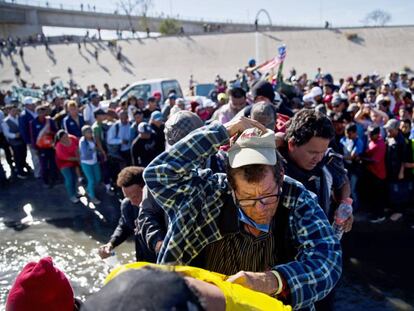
[(169, 27)]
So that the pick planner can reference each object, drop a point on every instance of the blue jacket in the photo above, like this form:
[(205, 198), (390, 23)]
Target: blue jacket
[(24, 126), (71, 127)]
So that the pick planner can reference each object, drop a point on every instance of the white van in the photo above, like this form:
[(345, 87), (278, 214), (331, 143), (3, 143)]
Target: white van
[(146, 88)]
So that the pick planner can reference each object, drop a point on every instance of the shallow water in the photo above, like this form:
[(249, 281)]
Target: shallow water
[(36, 222), (73, 251)]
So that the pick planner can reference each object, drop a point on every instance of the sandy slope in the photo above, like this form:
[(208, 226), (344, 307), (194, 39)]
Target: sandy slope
[(377, 49)]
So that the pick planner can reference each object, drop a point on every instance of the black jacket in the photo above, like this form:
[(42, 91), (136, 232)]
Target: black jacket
[(127, 227)]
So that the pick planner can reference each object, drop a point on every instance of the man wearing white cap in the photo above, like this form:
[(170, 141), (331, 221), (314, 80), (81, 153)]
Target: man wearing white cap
[(314, 97), (25, 118), (263, 229)]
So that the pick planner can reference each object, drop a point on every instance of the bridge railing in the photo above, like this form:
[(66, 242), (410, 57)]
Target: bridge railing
[(114, 10)]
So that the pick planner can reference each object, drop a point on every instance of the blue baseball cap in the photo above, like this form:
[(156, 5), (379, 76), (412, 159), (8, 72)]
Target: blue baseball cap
[(93, 95), (157, 116)]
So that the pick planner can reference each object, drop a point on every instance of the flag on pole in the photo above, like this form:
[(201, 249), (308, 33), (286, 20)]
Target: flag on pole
[(274, 62), (282, 55)]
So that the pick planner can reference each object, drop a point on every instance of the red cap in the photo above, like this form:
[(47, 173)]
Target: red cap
[(157, 94), (41, 286), (327, 99)]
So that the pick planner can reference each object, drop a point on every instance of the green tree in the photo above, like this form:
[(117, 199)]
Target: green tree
[(169, 27)]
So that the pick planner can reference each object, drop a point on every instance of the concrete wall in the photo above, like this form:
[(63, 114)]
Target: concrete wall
[(19, 30), (380, 50)]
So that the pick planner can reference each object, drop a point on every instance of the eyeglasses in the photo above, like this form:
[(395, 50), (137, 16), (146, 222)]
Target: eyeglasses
[(266, 200)]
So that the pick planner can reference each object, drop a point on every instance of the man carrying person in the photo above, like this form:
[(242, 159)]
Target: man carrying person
[(260, 227)]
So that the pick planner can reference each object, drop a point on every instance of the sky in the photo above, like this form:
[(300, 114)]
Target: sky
[(293, 12)]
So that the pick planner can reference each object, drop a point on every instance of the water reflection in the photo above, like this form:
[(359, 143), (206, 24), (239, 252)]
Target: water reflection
[(73, 252)]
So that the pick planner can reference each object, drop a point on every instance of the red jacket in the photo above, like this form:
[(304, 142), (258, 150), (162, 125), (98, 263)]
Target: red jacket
[(376, 153)]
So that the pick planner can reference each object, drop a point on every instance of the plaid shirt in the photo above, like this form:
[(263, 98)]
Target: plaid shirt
[(192, 198)]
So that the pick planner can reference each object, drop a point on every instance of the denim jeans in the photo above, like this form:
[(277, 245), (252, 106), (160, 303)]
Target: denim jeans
[(93, 176), (69, 173), (48, 165)]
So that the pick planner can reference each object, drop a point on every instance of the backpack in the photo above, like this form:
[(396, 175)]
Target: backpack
[(114, 151)]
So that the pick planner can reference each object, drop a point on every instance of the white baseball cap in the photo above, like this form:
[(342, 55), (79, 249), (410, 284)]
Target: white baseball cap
[(253, 147), (28, 100)]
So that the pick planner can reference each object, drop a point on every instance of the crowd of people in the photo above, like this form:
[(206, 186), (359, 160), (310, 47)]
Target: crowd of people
[(254, 174)]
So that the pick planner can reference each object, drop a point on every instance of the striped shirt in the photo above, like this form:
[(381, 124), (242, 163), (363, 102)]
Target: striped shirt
[(194, 198), (241, 252)]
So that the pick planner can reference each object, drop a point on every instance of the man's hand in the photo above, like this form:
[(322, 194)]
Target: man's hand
[(105, 250), (348, 223), (240, 124), (264, 282)]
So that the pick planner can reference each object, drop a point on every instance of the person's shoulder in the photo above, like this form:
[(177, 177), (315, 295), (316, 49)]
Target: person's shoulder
[(293, 192), (291, 182), (292, 188), (73, 138), (224, 108), (332, 155), (126, 203)]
